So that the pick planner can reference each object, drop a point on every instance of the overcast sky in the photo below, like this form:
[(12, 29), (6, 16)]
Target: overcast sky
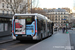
[(56, 3)]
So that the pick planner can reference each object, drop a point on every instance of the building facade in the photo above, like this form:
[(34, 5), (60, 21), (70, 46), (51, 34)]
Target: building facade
[(6, 13), (7, 8), (59, 16), (68, 10)]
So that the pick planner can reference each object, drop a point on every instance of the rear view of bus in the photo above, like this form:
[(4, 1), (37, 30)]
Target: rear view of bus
[(24, 27)]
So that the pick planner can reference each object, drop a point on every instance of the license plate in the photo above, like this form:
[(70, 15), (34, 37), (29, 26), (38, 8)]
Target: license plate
[(19, 32)]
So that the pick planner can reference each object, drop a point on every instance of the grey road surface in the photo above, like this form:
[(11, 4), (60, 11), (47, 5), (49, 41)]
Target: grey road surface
[(72, 41), (16, 45), (72, 38), (58, 41)]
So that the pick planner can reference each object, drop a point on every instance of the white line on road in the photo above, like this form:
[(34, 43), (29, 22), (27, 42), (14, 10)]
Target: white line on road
[(33, 46)]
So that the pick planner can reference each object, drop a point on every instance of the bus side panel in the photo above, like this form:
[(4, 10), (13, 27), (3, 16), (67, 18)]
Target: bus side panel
[(13, 28), (36, 37)]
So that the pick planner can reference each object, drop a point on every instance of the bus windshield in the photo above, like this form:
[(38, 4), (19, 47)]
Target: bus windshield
[(29, 19)]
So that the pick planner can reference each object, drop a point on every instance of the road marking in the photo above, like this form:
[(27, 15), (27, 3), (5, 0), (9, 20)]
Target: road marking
[(33, 45), (68, 46)]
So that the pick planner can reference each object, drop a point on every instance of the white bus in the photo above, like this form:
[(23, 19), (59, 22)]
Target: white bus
[(31, 27)]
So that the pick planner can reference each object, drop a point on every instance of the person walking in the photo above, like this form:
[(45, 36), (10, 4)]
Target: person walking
[(63, 29)]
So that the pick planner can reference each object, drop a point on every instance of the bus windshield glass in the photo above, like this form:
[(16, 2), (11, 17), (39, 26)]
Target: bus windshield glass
[(29, 19)]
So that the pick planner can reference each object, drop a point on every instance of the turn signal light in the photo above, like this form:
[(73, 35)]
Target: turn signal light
[(35, 30)]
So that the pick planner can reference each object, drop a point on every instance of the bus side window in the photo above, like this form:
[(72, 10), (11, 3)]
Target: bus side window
[(41, 22), (38, 25), (44, 25)]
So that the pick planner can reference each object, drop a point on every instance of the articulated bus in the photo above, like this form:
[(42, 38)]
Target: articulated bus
[(31, 27)]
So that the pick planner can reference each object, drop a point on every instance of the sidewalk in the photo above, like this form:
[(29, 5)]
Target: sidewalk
[(58, 41), (5, 39), (69, 31), (9, 38)]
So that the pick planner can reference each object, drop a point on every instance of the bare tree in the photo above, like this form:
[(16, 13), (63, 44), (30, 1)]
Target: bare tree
[(39, 10), (19, 6), (35, 3), (27, 5), (14, 5)]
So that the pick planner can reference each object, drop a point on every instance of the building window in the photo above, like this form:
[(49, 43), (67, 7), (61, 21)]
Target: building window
[(56, 19), (20, 5), (58, 12), (61, 13), (3, 5), (64, 22), (59, 18), (2, 0), (56, 16), (48, 17), (7, 5), (65, 17), (64, 12), (11, 12), (10, 6), (3, 12), (6, 0), (11, 1), (7, 12)]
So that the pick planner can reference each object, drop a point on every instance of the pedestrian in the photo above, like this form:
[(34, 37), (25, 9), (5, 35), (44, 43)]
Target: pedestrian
[(63, 29)]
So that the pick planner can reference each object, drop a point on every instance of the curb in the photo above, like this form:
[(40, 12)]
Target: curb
[(7, 41)]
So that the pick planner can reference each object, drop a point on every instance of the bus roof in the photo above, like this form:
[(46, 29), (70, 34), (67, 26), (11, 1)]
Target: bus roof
[(26, 14), (35, 14)]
